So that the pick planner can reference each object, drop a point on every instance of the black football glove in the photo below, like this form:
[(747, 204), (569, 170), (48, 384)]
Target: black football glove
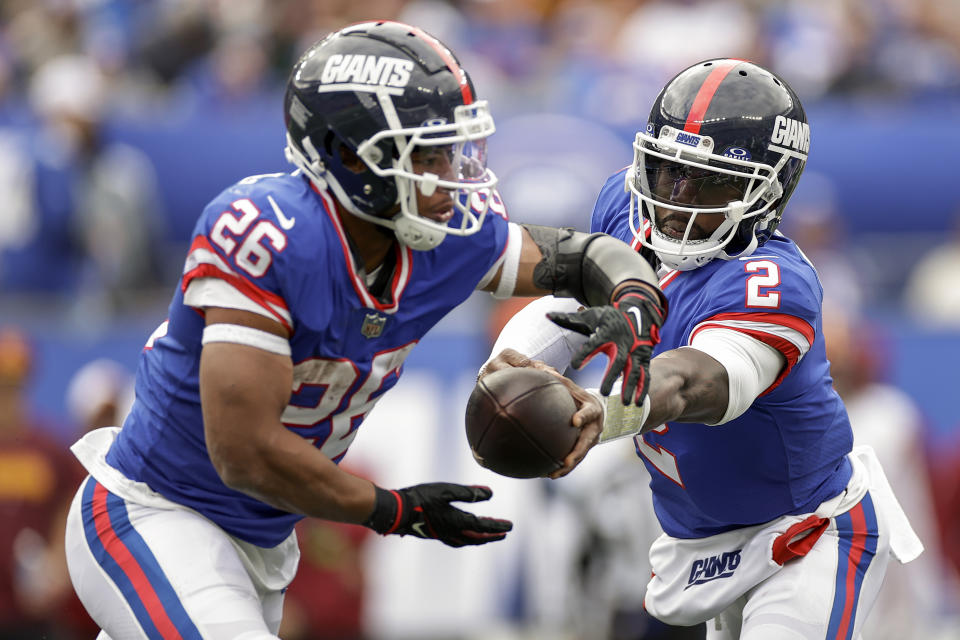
[(425, 511), (626, 331)]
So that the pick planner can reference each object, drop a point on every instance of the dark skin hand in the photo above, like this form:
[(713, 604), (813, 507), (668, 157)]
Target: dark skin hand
[(588, 417), (686, 385)]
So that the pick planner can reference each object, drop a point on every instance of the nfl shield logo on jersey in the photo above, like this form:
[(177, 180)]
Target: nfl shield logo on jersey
[(373, 325)]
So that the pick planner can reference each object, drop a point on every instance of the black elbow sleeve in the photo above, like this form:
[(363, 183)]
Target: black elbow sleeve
[(587, 267)]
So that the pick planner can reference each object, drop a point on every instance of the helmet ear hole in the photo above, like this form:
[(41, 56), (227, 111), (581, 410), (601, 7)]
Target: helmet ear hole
[(328, 142), (350, 160)]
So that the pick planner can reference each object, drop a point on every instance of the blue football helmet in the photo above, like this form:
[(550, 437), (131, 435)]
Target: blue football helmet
[(383, 92), (724, 137)]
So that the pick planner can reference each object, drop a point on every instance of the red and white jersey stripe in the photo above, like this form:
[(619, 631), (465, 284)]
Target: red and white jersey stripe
[(235, 292)]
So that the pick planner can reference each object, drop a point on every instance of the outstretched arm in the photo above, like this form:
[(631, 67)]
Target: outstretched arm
[(624, 306), (686, 385), (245, 387), (712, 381)]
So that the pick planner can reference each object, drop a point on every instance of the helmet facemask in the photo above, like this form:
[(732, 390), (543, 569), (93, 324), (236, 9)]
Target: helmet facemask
[(677, 178), (436, 155), (399, 160)]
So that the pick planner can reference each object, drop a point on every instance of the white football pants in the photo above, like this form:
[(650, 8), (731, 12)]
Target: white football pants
[(152, 573), (825, 595)]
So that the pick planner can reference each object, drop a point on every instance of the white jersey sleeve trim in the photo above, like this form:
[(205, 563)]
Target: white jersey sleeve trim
[(239, 334), (510, 260), (200, 255), (533, 334), (214, 292), (792, 340), (203, 262), (752, 366)]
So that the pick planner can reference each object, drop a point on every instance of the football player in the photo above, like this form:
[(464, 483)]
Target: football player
[(773, 527), (301, 296)]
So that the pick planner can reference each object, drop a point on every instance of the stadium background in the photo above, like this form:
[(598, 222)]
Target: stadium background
[(188, 100)]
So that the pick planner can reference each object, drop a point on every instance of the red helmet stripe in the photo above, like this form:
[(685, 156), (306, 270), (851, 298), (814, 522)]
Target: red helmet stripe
[(445, 55), (705, 95)]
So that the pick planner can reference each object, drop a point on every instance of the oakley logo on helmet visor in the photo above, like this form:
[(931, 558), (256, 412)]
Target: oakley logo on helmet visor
[(737, 152), (791, 133), (363, 69)]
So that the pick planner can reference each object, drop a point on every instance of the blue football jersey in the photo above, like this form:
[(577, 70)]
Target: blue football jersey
[(787, 453), (279, 242)]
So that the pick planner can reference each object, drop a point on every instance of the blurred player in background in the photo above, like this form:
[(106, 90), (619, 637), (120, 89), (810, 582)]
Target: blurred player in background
[(83, 206), (36, 479), (301, 296), (773, 527), (100, 394)]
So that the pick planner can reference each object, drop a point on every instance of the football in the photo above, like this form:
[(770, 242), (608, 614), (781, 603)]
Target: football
[(518, 422)]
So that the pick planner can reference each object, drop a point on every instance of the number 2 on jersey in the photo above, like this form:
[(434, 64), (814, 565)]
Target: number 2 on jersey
[(662, 459), (766, 276)]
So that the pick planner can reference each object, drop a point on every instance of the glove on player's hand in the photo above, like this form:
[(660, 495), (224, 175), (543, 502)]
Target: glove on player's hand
[(626, 331), (425, 511)]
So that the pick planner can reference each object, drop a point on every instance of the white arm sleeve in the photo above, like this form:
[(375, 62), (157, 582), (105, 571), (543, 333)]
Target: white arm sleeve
[(531, 333), (752, 366)]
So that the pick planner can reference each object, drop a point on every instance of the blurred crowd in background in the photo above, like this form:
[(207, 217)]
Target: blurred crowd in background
[(120, 119), (88, 209)]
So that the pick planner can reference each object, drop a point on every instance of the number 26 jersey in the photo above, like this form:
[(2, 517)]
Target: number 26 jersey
[(275, 246)]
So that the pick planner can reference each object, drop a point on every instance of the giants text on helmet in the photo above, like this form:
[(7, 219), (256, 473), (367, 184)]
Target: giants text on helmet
[(364, 69)]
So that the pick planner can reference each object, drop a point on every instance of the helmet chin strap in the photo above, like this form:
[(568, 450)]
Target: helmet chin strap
[(313, 167), (408, 230), (748, 250), (738, 209), (408, 226), (727, 230), (418, 237), (311, 164)]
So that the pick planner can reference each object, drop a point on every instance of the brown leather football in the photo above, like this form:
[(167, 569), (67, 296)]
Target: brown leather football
[(519, 422)]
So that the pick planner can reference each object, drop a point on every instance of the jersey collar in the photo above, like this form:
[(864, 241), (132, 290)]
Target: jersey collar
[(401, 269)]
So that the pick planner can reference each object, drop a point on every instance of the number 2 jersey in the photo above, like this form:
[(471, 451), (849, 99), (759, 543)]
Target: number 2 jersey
[(275, 246), (787, 453)]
